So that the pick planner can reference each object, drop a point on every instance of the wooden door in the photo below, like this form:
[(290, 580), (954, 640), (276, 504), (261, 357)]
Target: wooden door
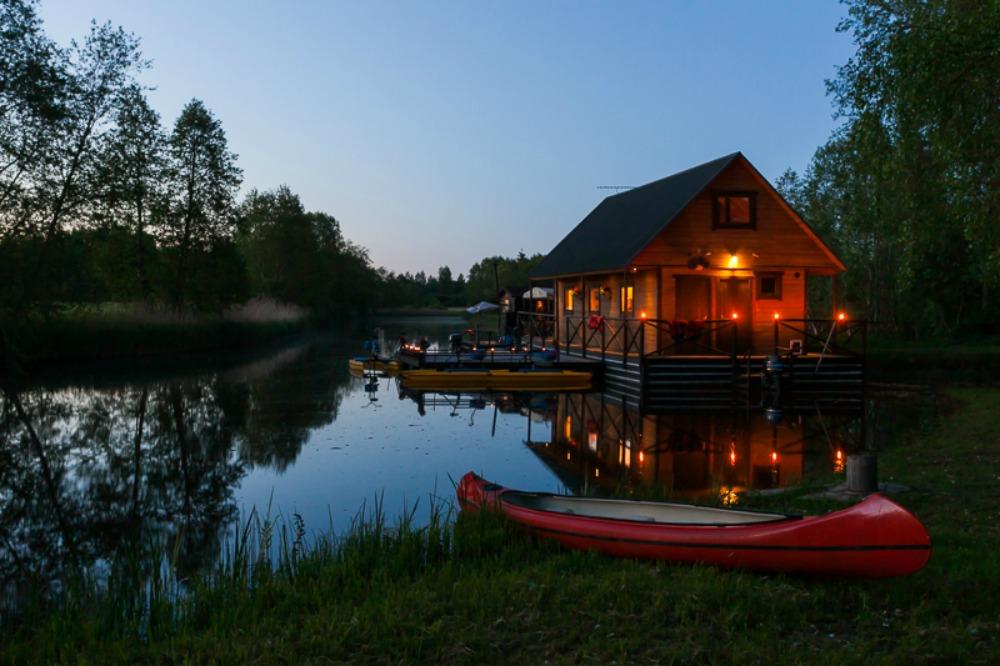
[(694, 297), (735, 296)]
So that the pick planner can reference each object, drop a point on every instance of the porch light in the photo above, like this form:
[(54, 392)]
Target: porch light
[(734, 261), (642, 457), (643, 315), (777, 316), (735, 315), (774, 457), (841, 316), (732, 457)]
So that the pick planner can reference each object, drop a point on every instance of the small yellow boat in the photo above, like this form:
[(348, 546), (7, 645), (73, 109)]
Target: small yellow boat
[(361, 364), (528, 379)]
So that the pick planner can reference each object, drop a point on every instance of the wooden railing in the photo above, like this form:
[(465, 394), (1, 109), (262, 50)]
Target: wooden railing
[(626, 338), (824, 336)]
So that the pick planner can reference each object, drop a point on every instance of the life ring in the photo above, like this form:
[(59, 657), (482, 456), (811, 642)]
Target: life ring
[(595, 322)]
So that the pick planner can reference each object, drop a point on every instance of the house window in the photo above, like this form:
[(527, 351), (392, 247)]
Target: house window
[(595, 299), (627, 298), (734, 210), (769, 286), (570, 299)]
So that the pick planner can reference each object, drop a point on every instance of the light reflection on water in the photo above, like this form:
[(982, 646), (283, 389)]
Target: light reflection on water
[(139, 462)]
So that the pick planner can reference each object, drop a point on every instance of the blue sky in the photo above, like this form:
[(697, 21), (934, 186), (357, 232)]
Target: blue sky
[(442, 132)]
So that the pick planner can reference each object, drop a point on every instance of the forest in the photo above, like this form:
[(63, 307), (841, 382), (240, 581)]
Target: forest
[(907, 189)]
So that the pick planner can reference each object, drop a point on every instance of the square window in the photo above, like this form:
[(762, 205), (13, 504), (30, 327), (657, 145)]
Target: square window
[(769, 286), (734, 210)]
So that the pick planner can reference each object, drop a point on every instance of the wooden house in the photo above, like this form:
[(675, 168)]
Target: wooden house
[(714, 255)]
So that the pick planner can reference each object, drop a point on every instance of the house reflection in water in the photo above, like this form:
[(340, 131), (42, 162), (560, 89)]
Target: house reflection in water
[(597, 444)]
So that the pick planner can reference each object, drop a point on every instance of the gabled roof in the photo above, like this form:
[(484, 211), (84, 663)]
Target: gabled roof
[(623, 224)]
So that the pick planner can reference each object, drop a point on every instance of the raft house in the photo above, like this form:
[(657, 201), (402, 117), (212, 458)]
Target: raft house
[(692, 290)]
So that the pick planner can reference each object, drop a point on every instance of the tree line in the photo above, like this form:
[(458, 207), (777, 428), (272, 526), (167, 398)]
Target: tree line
[(443, 290), (907, 190), (100, 202)]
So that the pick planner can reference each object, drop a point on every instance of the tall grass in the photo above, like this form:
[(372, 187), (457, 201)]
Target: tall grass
[(136, 600)]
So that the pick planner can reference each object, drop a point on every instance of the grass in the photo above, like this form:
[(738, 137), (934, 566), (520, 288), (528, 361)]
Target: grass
[(475, 590)]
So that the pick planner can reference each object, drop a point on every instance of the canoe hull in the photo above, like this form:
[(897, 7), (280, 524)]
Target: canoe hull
[(875, 538)]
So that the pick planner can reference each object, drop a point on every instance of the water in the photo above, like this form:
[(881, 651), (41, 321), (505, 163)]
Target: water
[(135, 460)]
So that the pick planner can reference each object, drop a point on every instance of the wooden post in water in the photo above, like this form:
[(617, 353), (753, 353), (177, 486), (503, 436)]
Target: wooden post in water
[(862, 472)]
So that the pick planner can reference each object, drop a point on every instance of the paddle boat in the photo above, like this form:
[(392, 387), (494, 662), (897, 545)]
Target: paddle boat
[(875, 538), (360, 364), (521, 379)]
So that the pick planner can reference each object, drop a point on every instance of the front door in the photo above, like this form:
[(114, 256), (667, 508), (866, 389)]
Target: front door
[(694, 303), (735, 297)]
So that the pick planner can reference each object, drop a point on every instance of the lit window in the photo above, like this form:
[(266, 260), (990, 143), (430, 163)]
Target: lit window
[(769, 286), (595, 299), (570, 299), (627, 299), (734, 210)]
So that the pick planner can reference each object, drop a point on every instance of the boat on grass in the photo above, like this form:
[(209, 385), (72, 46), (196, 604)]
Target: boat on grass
[(483, 379), (875, 538)]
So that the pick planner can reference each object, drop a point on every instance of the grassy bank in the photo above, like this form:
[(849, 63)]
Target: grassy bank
[(118, 331), (945, 362), (481, 592)]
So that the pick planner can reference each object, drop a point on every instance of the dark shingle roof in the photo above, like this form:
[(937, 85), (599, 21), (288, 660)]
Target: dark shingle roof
[(623, 224)]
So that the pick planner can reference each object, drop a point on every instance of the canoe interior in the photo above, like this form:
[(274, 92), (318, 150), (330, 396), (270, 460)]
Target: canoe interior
[(640, 511)]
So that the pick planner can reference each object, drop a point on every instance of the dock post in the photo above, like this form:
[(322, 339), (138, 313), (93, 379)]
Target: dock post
[(862, 472)]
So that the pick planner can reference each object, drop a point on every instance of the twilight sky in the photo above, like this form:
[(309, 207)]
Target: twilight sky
[(440, 132)]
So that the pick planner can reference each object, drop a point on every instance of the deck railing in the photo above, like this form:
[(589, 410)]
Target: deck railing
[(634, 340), (840, 337)]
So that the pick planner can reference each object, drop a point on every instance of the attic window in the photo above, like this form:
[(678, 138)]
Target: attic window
[(734, 210)]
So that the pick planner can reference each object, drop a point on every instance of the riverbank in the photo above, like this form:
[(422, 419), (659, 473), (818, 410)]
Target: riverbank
[(482, 592), (130, 331)]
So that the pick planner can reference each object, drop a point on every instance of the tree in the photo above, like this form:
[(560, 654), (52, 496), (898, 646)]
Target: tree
[(203, 180), (132, 171)]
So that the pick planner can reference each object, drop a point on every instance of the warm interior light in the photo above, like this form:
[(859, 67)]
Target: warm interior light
[(642, 457), (734, 261), (732, 457)]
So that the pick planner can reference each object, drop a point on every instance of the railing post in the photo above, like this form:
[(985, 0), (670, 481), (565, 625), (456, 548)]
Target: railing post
[(583, 339), (736, 341), (566, 339), (775, 337), (604, 343), (625, 344)]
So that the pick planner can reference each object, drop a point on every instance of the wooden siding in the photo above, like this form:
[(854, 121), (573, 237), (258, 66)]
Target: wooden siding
[(779, 240)]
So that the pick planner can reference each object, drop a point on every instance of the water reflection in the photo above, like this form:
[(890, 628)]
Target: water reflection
[(88, 475), (147, 467), (595, 443)]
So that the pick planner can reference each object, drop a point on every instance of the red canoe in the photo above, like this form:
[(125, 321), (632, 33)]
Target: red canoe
[(874, 538)]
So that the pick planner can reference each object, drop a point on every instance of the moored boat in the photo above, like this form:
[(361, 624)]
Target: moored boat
[(874, 538), (360, 364), (524, 379)]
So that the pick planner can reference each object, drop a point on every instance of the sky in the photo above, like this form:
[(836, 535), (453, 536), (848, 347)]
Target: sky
[(440, 132)]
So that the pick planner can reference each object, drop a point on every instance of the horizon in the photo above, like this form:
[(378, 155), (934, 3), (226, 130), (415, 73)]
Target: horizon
[(441, 134)]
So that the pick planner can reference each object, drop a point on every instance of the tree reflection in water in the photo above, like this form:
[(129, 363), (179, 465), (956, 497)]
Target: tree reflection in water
[(144, 471)]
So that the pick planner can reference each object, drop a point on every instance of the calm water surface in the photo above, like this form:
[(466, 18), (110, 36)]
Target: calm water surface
[(134, 459)]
